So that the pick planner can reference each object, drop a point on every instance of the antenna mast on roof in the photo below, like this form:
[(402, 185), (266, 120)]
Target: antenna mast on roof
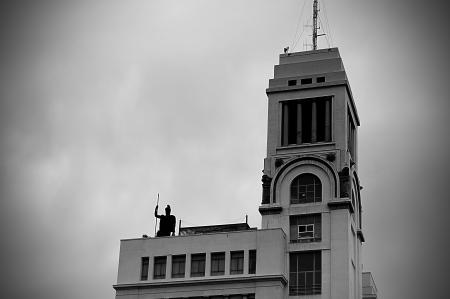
[(315, 26)]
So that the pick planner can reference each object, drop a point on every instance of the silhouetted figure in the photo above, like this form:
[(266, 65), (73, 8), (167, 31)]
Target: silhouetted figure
[(166, 223)]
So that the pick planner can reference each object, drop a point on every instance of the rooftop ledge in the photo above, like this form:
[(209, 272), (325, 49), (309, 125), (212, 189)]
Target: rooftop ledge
[(251, 230), (232, 227), (310, 55)]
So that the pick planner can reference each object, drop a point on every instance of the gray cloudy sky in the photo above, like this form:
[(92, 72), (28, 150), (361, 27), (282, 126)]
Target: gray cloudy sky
[(105, 104)]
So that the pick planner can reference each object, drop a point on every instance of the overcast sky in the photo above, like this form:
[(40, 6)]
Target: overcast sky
[(105, 104)]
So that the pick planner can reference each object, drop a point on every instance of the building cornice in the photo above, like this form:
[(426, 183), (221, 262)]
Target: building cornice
[(337, 204), (345, 83), (181, 283), (270, 209)]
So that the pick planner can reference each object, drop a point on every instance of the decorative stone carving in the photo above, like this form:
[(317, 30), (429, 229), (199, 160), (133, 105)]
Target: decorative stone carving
[(331, 157), (266, 180), (278, 162)]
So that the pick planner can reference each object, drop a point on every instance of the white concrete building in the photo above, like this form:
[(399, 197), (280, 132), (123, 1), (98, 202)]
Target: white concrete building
[(310, 241)]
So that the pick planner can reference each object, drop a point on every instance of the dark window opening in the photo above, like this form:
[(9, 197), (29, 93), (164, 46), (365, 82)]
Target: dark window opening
[(217, 263), (323, 122), (198, 264), (305, 228), (237, 262), (159, 270), (306, 125), (306, 81), (252, 262), (144, 267), (320, 79), (178, 266), (351, 138), (306, 121), (292, 82), (306, 188), (305, 275)]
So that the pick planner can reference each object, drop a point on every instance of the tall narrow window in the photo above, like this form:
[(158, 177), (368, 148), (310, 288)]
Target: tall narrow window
[(305, 228), (159, 269), (198, 264), (252, 262), (305, 275), (351, 136), (144, 267), (306, 121), (306, 188), (217, 263), (178, 265), (237, 262)]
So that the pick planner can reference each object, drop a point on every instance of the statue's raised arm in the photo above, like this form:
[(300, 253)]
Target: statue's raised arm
[(156, 213)]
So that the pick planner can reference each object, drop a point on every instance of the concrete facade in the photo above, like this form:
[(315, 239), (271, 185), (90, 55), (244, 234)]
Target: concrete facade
[(268, 281), (325, 149)]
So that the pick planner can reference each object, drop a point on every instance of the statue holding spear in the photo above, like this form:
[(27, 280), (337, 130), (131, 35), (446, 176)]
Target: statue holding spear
[(166, 222)]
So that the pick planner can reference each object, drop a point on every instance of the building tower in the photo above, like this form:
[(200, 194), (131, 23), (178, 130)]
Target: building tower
[(311, 188), (309, 244)]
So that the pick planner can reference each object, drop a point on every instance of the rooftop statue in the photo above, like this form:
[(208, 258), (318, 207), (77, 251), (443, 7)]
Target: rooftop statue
[(166, 223)]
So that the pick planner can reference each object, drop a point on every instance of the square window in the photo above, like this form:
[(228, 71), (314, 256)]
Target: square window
[(292, 82), (198, 264), (309, 189), (217, 263), (320, 79), (237, 262), (159, 269), (305, 228), (306, 231), (178, 266), (306, 81)]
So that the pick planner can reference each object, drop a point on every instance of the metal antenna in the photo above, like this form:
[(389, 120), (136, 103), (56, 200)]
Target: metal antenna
[(315, 12), (315, 26)]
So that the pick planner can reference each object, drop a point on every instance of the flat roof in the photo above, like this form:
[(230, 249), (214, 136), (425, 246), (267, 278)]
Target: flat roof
[(206, 229)]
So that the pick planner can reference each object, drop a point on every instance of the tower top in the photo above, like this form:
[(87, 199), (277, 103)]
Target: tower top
[(304, 70)]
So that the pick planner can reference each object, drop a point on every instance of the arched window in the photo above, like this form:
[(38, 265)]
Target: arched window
[(306, 188)]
